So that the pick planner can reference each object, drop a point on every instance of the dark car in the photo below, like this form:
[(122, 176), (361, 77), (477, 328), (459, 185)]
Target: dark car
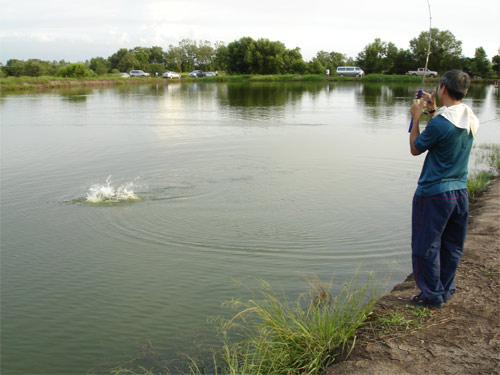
[(197, 73), (471, 73)]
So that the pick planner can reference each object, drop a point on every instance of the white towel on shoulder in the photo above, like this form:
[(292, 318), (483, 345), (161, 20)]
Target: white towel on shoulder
[(461, 116)]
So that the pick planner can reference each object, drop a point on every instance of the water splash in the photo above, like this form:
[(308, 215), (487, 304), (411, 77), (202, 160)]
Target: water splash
[(107, 193)]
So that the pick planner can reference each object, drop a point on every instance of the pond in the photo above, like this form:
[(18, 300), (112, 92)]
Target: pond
[(127, 214)]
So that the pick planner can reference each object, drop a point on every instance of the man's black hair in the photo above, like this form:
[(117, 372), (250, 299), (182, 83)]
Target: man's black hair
[(456, 82)]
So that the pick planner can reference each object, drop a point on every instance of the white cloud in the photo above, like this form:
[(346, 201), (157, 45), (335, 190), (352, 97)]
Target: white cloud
[(346, 27), (42, 37)]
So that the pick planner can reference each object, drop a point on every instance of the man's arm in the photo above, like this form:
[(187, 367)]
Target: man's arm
[(416, 112)]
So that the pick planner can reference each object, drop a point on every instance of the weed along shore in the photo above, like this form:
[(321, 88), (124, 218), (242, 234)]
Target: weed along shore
[(35, 83)]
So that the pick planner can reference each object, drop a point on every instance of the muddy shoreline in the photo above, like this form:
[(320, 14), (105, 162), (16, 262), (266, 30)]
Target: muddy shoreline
[(461, 338)]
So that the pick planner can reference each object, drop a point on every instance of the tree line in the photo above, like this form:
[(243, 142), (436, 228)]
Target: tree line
[(262, 56)]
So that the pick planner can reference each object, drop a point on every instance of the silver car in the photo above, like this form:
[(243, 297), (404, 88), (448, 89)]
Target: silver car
[(138, 73), (171, 75)]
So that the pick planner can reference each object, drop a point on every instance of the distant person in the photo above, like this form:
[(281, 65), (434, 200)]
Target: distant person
[(440, 204)]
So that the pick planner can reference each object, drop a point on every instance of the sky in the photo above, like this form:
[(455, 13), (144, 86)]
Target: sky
[(79, 30)]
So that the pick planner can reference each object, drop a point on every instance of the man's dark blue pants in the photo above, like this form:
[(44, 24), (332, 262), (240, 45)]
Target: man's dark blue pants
[(439, 226)]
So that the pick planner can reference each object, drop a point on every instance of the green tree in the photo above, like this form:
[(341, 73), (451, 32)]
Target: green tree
[(269, 57), (480, 63), (294, 61), (403, 62), (496, 63), (99, 65), (157, 68), (116, 58), (188, 54), (324, 58), (315, 66), (389, 61), (263, 56), (129, 62), (220, 56), (14, 68), (331, 60), (173, 59), (142, 55), (55, 66), (373, 58), (205, 56), (446, 50), (35, 68), (240, 55), (156, 55)]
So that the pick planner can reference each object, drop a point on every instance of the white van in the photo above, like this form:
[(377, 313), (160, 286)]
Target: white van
[(350, 71), (138, 73)]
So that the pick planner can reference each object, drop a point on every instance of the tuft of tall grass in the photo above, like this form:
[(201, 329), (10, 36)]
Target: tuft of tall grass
[(488, 154), (272, 335), (478, 182)]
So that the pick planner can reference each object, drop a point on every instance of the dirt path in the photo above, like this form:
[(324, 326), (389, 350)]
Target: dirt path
[(461, 338)]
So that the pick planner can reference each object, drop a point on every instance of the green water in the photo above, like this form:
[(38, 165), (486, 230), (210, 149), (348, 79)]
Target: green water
[(231, 182)]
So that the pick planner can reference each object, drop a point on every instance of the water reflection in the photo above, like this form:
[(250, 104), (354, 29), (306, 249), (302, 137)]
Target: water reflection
[(259, 101), (478, 92), (266, 95), (75, 96)]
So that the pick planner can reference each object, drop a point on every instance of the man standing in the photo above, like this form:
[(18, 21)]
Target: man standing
[(440, 203)]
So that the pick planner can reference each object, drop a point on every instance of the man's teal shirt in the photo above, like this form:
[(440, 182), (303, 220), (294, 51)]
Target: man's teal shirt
[(445, 166)]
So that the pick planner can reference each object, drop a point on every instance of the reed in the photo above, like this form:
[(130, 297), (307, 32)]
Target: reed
[(270, 334), (489, 154)]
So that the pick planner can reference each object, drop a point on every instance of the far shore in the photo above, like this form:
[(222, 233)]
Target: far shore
[(50, 82)]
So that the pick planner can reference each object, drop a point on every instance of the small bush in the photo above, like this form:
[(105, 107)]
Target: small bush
[(77, 70)]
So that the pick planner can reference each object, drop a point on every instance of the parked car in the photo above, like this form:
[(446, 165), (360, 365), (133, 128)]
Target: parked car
[(210, 74), (124, 75), (197, 73), (350, 71), (171, 75), (421, 72), (471, 73), (138, 73)]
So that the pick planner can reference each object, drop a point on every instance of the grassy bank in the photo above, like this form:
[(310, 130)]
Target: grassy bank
[(31, 83), (34, 83), (488, 155)]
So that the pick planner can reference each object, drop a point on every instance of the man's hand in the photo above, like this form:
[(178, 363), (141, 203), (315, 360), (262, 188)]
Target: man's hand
[(430, 100), (417, 109)]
